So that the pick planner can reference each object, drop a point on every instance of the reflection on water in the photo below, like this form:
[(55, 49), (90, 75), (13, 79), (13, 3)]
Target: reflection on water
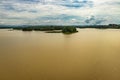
[(90, 54)]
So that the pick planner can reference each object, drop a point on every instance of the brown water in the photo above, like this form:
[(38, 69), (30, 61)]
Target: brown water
[(90, 54)]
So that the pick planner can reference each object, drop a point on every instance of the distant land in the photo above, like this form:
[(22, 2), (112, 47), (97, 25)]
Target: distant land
[(113, 26), (57, 28), (116, 26)]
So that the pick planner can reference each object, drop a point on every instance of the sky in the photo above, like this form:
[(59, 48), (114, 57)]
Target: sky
[(59, 12)]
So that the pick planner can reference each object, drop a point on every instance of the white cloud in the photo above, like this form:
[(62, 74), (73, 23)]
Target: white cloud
[(33, 11)]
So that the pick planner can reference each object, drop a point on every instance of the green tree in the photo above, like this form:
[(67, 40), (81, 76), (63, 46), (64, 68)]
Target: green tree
[(69, 29)]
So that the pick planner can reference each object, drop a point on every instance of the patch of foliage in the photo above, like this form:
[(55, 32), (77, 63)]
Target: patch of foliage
[(69, 29)]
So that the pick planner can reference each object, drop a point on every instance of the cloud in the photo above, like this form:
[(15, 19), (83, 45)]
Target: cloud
[(94, 20), (43, 12)]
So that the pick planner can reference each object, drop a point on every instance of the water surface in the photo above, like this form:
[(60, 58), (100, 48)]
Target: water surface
[(90, 54)]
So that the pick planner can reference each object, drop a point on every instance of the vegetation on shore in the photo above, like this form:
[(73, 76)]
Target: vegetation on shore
[(60, 29)]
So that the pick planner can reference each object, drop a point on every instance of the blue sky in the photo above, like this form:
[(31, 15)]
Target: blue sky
[(59, 12)]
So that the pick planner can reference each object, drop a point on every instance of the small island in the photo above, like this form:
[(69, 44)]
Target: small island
[(50, 29)]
